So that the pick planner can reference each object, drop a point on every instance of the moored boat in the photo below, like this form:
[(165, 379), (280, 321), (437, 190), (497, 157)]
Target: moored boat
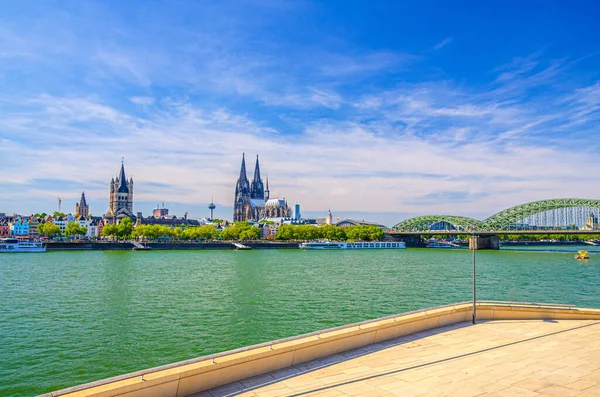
[(436, 244), (13, 245), (338, 245), (582, 254)]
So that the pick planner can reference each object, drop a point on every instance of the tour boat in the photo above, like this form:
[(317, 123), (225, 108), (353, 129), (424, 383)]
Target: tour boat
[(357, 245), (436, 244), (14, 245), (582, 254)]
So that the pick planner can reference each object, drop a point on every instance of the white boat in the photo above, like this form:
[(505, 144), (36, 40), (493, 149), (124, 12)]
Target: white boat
[(15, 245), (436, 244), (357, 245)]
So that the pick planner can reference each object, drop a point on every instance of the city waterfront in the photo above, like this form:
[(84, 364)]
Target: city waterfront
[(75, 317)]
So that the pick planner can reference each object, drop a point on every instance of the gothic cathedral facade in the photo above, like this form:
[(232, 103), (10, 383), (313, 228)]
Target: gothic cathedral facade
[(252, 201)]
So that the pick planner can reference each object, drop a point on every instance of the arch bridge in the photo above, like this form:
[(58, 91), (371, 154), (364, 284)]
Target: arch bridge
[(564, 216), (568, 214)]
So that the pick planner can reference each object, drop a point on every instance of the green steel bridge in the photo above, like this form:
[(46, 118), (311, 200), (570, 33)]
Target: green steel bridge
[(565, 216), (568, 216)]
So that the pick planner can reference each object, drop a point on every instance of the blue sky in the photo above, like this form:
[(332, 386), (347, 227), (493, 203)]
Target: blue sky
[(379, 110)]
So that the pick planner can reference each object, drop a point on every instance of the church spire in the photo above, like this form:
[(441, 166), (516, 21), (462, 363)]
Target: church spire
[(267, 192), (243, 169), (123, 188), (257, 171), (257, 190)]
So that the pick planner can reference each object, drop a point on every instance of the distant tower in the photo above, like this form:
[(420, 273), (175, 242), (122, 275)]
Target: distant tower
[(241, 203), (82, 208), (267, 191), (212, 207), (329, 219), (297, 214)]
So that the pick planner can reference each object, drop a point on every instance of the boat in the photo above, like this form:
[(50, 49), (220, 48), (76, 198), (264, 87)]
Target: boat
[(354, 245), (582, 254), (436, 244), (13, 245)]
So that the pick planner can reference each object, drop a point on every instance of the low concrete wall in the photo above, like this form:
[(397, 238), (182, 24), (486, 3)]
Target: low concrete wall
[(193, 376), (210, 245), (88, 246)]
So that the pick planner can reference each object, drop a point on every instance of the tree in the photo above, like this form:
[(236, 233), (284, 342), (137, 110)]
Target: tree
[(125, 228), (286, 232), (58, 214), (109, 230), (252, 233), (49, 229), (75, 229), (240, 230)]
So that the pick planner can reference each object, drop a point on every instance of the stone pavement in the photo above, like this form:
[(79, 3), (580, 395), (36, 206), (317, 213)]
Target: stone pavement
[(494, 358)]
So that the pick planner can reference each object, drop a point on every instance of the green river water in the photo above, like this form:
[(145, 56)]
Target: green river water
[(73, 317)]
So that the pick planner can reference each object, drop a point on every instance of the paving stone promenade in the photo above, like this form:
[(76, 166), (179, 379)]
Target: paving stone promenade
[(494, 358)]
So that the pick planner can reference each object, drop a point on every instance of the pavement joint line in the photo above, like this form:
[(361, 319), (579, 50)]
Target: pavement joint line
[(443, 360)]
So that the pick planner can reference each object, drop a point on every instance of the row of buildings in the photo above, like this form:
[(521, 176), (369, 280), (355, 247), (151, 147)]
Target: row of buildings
[(252, 203)]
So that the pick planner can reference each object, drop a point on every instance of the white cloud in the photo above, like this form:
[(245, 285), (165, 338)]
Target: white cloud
[(142, 100), (184, 154), (442, 43)]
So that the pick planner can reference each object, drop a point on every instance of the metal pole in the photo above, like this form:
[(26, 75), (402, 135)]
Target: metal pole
[(474, 284)]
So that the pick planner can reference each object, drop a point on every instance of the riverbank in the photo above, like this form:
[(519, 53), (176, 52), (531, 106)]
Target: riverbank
[(127, 246)]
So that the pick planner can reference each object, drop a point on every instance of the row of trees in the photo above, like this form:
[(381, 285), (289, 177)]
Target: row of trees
[(330, 232), (236, 231), (71, 229)]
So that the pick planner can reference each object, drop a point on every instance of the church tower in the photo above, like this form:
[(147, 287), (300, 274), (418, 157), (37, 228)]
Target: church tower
[(241, 204), (257, 190), (81, 208), (121, 195)]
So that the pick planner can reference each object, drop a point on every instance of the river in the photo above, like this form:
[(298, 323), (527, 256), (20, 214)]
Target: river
[(73, 317)]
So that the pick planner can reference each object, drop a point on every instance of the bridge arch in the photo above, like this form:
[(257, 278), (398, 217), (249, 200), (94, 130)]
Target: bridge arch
[(437, 222), (562, 213)]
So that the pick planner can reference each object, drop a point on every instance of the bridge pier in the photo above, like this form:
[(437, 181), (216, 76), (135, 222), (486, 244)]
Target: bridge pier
[(484, 242)]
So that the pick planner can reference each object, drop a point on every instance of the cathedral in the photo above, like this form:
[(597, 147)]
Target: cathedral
[(121, 199), (252, 201)]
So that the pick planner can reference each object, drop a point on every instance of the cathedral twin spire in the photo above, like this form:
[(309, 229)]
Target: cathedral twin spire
[(256, 190), (251, 198)]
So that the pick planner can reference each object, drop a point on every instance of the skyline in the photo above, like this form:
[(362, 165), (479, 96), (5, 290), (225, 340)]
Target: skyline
[(404, 108)]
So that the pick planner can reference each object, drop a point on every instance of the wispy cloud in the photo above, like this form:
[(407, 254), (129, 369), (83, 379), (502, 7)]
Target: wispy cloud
[(340, 126), (442, 43)]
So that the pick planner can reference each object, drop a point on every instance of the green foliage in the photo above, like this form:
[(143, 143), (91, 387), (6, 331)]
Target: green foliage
[(49, 229), (125, 228), (42, 215), (74, 229), (152, 232), (122, 231), (240, 231), (57, 214), (109, 230), (329, 232)]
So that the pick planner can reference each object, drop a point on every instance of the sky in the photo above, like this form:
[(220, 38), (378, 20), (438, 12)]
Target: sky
[(379, 110)]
